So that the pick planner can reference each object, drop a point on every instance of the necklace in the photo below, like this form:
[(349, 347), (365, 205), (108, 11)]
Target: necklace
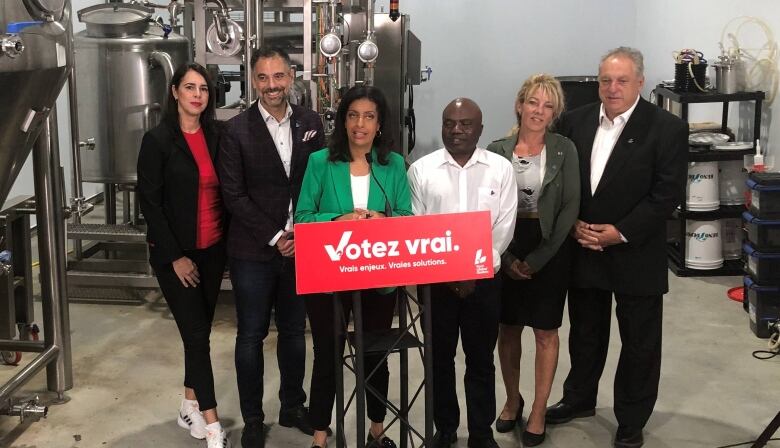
[(526, 151)]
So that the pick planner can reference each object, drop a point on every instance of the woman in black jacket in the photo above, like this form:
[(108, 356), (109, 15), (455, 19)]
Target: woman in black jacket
[(178, 192)]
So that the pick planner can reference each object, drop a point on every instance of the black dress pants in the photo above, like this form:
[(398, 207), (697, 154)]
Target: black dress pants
[(377, 316), (475, 319), (193, 310), (640, 320)]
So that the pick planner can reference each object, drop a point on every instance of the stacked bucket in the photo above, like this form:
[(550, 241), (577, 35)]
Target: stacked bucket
[(710, 185), (761, 252)]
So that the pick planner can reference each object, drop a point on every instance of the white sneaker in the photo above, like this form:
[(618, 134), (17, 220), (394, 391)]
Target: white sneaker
[(217, 439), (190, 418)]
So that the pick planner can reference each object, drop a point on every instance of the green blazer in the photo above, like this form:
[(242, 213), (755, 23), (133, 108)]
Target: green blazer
[(559, 199), (326, 192)]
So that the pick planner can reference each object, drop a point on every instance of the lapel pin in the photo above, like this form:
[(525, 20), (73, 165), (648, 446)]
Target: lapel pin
[(631, 140)]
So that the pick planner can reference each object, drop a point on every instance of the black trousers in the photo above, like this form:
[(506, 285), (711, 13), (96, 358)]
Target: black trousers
[(377, 316), (475, 319), (640, 320), (193, 310)]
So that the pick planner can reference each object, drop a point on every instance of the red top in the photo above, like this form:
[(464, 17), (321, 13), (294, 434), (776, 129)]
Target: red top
[(209, 211)]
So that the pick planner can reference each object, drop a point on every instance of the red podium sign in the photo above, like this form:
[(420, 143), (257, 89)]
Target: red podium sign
[(408, 250)]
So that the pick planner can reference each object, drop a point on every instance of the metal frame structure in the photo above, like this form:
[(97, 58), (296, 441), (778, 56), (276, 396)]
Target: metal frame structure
[(396, 340), (38, 130)]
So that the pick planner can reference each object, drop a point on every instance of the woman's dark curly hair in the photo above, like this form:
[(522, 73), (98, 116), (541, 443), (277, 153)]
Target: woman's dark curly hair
[(338, 147), (207, 117)]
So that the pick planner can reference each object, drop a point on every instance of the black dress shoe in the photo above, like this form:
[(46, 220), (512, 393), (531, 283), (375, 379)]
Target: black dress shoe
[(253, 435), (509, 425), (628, 437), (384, 442), (561, 412), (533, 439), (482, 442), (297, 417), (444, 439)]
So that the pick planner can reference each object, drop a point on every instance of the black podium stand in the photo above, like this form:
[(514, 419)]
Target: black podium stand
[(397, 340)]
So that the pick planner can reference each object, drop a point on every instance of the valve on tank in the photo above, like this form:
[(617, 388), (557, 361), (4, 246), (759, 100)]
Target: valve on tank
[(11, 45)]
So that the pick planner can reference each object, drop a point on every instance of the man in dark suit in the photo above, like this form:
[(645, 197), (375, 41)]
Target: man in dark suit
[(263, 156), (633, 167)]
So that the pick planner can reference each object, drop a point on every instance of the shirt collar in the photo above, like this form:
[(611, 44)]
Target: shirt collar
[(267, 116), (620, 119), (479, 156)]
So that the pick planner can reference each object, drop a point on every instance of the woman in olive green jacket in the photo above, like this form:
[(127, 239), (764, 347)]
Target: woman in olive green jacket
[(536, 265), (356, 177)]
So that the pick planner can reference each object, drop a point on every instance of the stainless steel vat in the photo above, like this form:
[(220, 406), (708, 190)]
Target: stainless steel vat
[(31, 81), (122, 86)]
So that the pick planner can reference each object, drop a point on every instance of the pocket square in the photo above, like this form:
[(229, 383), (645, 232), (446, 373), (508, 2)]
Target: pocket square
[(309, 135)]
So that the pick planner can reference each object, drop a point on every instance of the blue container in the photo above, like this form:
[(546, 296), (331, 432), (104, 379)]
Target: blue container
[(763, 306), (763, 234), (764, 195), (764, 267)]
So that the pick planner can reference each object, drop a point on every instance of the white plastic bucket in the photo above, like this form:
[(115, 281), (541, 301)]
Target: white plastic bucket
[(731, 237), (702, 186), (703, 245), (731, 182)]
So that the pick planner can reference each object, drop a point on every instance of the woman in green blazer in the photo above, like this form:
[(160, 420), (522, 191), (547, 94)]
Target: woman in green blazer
[(356, 177), (536, 265)]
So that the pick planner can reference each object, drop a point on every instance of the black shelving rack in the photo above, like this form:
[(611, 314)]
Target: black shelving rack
[(676, 250)]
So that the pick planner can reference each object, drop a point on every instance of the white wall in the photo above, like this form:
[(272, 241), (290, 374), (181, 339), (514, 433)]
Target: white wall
[(484, 50)]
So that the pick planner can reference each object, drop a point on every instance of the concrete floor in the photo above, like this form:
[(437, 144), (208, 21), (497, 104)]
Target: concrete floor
[(127, 367)]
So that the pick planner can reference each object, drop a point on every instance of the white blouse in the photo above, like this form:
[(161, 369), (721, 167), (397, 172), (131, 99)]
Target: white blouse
[(360, 190)]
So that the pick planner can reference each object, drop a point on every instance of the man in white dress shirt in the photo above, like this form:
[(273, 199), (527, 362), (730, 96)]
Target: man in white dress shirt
[(263, 155), (632, 168), (462, 177)]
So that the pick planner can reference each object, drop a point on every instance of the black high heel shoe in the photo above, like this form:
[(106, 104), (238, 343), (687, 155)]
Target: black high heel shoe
[(509, 425), (532, 439)]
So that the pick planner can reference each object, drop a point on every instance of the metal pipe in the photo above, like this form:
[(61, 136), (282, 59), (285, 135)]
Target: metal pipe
[(259, 25), (360, 373), (369, 19), (59, 268), (369, 69), (16, 345), (164, 60), (77, 191), (338, 361), (249, 37), (28, 372), (308, 60), (401, 306), (46, 202), (424, 292)]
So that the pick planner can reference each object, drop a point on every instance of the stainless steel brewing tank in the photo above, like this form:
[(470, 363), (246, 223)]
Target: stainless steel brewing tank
[(30, 82), (122, 87)]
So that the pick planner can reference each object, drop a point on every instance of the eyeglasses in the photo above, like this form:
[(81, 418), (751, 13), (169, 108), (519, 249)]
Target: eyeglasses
[(366, 116)]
